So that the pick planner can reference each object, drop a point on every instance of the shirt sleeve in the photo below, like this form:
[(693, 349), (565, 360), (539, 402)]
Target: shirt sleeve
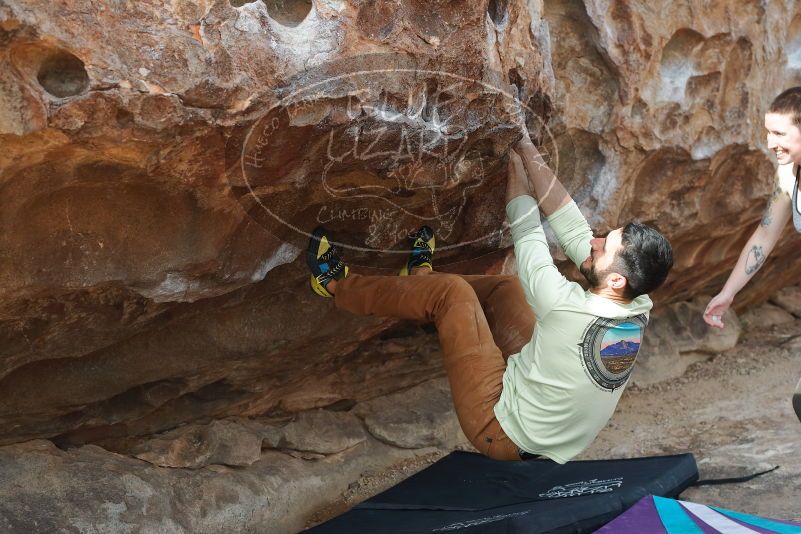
[(543, 284), (572, 231)]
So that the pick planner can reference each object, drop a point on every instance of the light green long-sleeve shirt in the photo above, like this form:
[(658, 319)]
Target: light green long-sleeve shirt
[(563, 386)]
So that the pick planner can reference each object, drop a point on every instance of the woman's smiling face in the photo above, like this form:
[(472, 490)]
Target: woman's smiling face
[(784, 138)]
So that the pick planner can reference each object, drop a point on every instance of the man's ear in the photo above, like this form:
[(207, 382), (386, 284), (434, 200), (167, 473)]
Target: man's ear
[(616, 281)]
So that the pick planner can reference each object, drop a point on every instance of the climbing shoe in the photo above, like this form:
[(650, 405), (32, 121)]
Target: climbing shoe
[(797, 400), (324, 262), (422, 250)]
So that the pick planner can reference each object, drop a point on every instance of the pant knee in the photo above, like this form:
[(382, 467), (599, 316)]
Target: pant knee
[(456, 288), (454, 291)]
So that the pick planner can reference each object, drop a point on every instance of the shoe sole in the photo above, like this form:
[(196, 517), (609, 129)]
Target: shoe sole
[(405, 271), (313, 263), (797, 400), (314, 247)]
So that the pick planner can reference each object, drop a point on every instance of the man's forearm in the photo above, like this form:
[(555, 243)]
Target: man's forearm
[(549, 191)]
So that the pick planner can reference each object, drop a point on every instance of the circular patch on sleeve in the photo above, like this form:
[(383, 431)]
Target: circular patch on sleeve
[(609, 349)]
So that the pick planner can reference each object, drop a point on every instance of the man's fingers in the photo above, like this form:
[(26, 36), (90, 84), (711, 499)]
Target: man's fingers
[(514, 159)]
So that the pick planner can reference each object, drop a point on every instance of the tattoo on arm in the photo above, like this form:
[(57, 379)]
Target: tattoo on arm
[(766, 217), (755, 259)]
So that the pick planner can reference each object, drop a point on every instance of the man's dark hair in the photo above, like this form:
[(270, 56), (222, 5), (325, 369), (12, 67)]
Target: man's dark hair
[(788, 103), (645, 259)]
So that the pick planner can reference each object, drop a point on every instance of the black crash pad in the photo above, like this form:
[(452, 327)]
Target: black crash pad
[(470, 493)]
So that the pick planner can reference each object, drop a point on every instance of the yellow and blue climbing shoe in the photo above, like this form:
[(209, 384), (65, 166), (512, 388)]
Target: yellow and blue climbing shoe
[(422, 250), (324, 262)]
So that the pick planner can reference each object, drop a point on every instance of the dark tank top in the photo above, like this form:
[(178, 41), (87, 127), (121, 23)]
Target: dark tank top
[(796, 212)]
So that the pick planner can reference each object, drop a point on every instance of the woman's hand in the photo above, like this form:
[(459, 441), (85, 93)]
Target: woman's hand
[(717, 307)]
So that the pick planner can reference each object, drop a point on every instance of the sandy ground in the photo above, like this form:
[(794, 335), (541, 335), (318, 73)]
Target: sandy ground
[(733, 413)]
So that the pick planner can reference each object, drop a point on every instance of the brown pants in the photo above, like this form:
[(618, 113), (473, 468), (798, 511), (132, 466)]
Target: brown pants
[(481, 320)]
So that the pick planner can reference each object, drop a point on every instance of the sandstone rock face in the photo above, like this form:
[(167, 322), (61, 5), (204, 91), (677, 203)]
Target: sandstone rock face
[(215, 483), (126, 212), (429, 422), (318, 432), (766, 316), (789, 299), (194, 446), (160, 163)]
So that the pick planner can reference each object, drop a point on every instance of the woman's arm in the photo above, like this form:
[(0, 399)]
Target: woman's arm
[(753, 255)]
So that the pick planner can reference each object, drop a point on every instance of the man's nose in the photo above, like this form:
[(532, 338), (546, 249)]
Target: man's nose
[(771, 141)]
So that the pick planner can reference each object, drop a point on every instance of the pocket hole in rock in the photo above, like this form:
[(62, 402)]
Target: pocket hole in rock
[(63, 75), (288, 12), (497, 10)]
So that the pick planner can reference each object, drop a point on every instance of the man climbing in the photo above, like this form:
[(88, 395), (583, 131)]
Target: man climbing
[(522, 386)]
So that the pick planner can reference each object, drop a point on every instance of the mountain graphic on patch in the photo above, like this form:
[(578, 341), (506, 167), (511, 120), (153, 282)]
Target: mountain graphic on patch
[(610, 347), (621, 348)]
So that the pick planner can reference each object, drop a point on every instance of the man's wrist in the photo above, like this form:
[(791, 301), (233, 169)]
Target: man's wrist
[(526, 146), (525, 141)]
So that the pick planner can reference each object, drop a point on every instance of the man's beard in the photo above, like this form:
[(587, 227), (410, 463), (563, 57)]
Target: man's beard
[(592, 275)]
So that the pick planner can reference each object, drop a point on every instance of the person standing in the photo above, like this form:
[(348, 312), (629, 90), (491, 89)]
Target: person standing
[(782, 122)]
